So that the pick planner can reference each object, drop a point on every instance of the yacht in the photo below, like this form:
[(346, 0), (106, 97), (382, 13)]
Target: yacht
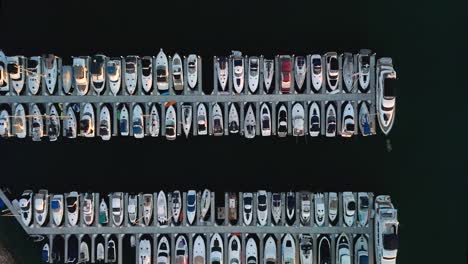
[(87, 121), (319, 204), (4, 123), (186, 118), (348, 121), (262, 207), (317, 72), (154, 123), (234, 250), (88, 208), (34, 74), (290, 208), (385, 94), (138, 122), (41, 205), (147, 73), (249, 123), (53, 124), (385, 230), (251, 252), (191, 206), (232, 208), (70, 123), (176, 201), (80, 75), (16, 72), (324, 251), (306, 205), (265, 120), (105, 127), (177, 73), (343, 253), (111, 251), (19, 122), (202, 124), (114, 72), (364, 69), (4, 80), (285, 68), (124, 124), (57, 206), (306, 248), (199, 251), (300, 71), (238, 71), (98, 77), (84, 253), (216, 249), (50, 72), (26, 207), (147, 208), (247, 210), (268, 73), (67, 72), (73, 207), (333, 207), (162, 209), (361, 250), (314, 116), (288, 250), (170, 123), (37, 123), (349, 208), (144, 252), (222, 65), (162, 71), (164, 251), (269, 251), (233, 119), (103, 213), (205, 203), (253, 74), (132, 208), (117, 208), (192, 70), (298, 119), (331, 120), (276, 208), (100, 252), (45, 257), (282, 128), (333, 72), (363, 208), (131, 71), (181, 250), (365, 121), (348, 72), (218, 122)]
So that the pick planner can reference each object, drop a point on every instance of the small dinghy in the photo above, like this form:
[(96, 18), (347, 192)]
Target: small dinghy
[(282, 126), (218, 123), (253, 74), (233, 119), (268, 72), (67, 86), (177, 73), (147, 73), (177, 214), (138, 122), (105, 123), (331, 121), (87, 121), (202, 125), (53, 127), (162, 209), (19, 122), (171, 121), (300, 71), (186, 118), (192, 70), (250, 123), (154, 122), (37, 123), (314, 117), (365, 121), (162, 72), (223, 71), (348, 72), (348, 123), (147, 208), (265, 118), (34, 74), (124, 124), (205, 204), (298, 119), (50, 72), (103, 213), (114, 72), (131, 70), (70, 123)]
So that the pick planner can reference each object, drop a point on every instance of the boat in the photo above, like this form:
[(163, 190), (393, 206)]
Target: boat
[(205, 203), (232, 208), (162, 72), (45, 254), (41, 205), (234, 250), (80, 75), (103, 213), (186, 118), (98, 77), (317, 72), (348, 72), (247, 210), (306, 249), (53, 126), (192, 70), (26, 207), (117, 208), (363, 208), (251, 252), (285, 69), (154, 123), (331, 121), (16, 72), (19, 122), (100, 252), (191, 206), (319, 205), (288, 250), (87, 121), (176, 202), (138, 122), (333, 72), (70, 123), (105, 127), (147, 73), (385, 230), (88, 208), (290, 208), (349, 208), (265, 120), (314, 116), (269, 251), (233, 119), (343, 253), (361, 250), (282, 127), (131, 70), (199, 251), (365, 121), (262, 207), (124, 124), (171, 119), (385, 94), (298, 119), (218, 122), (162, 209), (348, 123), (132, 209), (73, 207), (238, 71), (34, 74), (144, 252), (84, 252), (223, 71), (202, 124), (364, 69), (181, 250), (276, 208), (147, 208), (216, 249), (300, 71), (253, 74), (111, 251), (306, 205), (56, 206), (67, 72), (50, 72), (249, 123), (333, 207), (114, 72), (4, 123), (177, 73), (268, 73), (4, 80), (37, 123), (324, 251)]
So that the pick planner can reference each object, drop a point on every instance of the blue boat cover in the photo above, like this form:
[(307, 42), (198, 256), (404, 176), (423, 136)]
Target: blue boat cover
[(55, 205), (45, 256), (2, 205)]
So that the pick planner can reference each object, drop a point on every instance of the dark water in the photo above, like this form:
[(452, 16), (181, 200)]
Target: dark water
[(425, 172)]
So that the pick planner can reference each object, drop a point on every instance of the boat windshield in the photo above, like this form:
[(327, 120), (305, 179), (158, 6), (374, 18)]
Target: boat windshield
[(364, 202), (248, 200), (352, 206), (191, 200), (266, 123), (32, 64), (365, 60), (350, 127), (146, 63), (334, 204), (390, 241), (238, 63), (389, 87), (262, 199), (333, 64), (55, 205), (291, 202), (130, 67)]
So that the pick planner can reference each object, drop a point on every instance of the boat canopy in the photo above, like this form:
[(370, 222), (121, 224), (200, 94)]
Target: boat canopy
[(390, 241), (55, 205), (389, 87)]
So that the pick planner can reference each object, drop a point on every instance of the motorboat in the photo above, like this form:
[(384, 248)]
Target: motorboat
[(88, 208), (192, 70), (306, 248), (314, 116), (41, 205), (34, 74), (87, 121), (162, 209), (238, 72), (290, 208), (70, 123), (111, 251), (132, 209), (343, 253), (216, 249), (138, 123), (4, 78), (234, 250), (298, 119), (114, 73), (147, 208), (285, 69), (100, 252), (98, 76), (333, 207), (254, 74), (250, 123), (348, 120), (19, 122), (202, 124), (330, 121), (170, 123), (144, 252), (16, 71), (147, 73), (385, 230), (282, 127), (333, 72), (262, 207), (53, 124), (222, 65), (186, 118), (67, 73), (306, 205), (103, 213), (319, 205), (288, 250), (124, 124), (365, 121), (361, 250), (5, 126), (348, 72), (176, 202), (73, 207), (181, 250), (317, 72), (363, 208), (26, 207), (45, 254), (50, 72), (247, 210), (205, 203), (164, 249), (162, 71), (268, 73), (269, 251), (191, 206), (105, 127), (131, 70), (251, 251), (233, 119), (385, 94), (324, 251), (218, 123), (276, 208), (300, 71), (349, 208), (117, 208), (80, 75), (364, 69), (199, 251), (57, 206), (84, 253), (37, 123), (154, 121), (177, 73), (265, 120), (232, 208)]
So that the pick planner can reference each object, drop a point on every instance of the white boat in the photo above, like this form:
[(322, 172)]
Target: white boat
[(132, 209), (177, 73), (364, 69), (361, 250), (205, 203), (268, 73), (343, 253), (138, 122), (124, 123), (16, 72), (250, 123), (333, 72), (192, 70), (98, 76), (238, 72), (363, 208), (332, 207), (234, 250), (37, 123), (349, 208), (114, 72), (348, 72), (251, 252), (147, 208), (306, 205), (385, 94), (324, 251), (254, 74), (50, 72), (181, 250), (265, 118), (87, 121), (262, 207), (248, 206), (171, 121), (348, 124), (41, 205), (276, 208), (19, 122), (84, 253), (330, 120), (53, 126), (300, 71), (314, 117), (269, 251), (88, 208), (67, 72), (26, 207), (176, 201), (365, 121), (147, 73), (298, 120), (111, 251), (131, 70), (317, 72), (144, 252), (162, 209), (199, 251), (4, 78), (282, 125), (117, 208), (233, 119), (162, 71), (57, 208), (34, 74), (105, 127), (103, 213), (73, 207), (191, 206), (319, 205), (70, 123), (218, 121), (202, 124), (45, 256), (186, 118), (216, 249), (385, 230), (80, 75), (100, 255), (306, 249), (154, 122), (290, 208), (288, 250), (5, 126), (222, 66)]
